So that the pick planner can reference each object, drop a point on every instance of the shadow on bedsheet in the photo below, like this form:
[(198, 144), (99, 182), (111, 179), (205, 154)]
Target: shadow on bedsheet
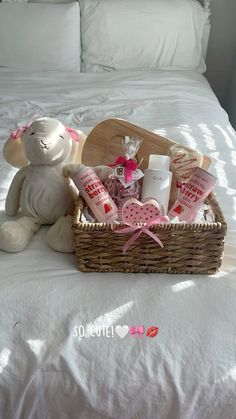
[(37, 250)]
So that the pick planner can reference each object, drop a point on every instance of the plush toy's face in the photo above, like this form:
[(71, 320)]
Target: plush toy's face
[(46, 141)]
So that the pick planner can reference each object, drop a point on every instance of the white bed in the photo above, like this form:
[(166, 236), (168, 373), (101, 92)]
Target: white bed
[(188, 371)]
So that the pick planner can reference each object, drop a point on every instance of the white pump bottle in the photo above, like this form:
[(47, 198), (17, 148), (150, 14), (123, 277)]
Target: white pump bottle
[(157, 180)]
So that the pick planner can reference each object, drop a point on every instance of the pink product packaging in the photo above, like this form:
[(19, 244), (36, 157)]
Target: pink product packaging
[(123, 183), (95, 194), (119, 193), (193, 195)]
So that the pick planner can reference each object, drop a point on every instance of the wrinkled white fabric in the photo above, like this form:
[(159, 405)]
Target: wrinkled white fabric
[(188, 371)]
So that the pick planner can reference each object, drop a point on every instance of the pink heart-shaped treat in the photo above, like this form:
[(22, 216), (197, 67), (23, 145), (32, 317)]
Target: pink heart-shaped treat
[(135, 212), (183, 162)]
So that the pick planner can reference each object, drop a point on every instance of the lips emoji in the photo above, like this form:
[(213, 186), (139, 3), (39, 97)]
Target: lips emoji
[(152, 331)]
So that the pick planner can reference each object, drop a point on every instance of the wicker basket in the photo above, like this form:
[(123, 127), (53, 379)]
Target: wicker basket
[(188, 248)]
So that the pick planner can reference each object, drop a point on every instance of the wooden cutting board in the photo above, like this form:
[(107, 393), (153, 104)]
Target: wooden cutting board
[(104, 143)]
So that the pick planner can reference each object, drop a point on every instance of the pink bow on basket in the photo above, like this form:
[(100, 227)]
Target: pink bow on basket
[(129, 165), (137, 330), (141, 229)]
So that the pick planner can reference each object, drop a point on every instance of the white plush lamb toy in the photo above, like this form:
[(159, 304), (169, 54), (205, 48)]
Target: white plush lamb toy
[(39, 188)]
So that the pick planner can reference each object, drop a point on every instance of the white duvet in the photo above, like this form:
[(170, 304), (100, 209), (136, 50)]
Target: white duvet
[(48, 371)]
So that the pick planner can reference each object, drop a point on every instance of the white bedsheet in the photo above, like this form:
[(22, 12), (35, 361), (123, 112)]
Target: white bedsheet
[(188, 371)]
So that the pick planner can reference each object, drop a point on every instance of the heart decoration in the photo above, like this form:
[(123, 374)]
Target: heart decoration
[(139, 217), (183, 162), (135, 212), (122, 331)]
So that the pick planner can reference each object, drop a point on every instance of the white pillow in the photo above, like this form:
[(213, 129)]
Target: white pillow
[(142, 34), (40, 36), (49, 1)]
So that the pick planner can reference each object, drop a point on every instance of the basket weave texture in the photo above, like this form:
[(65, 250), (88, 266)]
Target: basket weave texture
[(188, 248)]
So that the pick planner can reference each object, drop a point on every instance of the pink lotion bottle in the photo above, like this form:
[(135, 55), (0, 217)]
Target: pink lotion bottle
[(95, 194)]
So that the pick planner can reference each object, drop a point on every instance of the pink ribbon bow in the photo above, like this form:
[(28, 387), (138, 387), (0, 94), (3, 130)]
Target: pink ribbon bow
[(19, 131), (141, 229), (136, 330), (129, 165)]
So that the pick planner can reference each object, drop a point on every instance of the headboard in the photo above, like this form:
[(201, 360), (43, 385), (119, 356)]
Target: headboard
[(207, 6)]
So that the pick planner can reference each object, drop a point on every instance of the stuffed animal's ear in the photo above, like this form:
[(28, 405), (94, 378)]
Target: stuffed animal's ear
[(13, 152), (77, 146), (73, 133)]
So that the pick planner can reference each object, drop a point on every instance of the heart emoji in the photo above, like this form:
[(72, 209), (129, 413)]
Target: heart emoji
[(183, 162), (121, 331), (135, 212)]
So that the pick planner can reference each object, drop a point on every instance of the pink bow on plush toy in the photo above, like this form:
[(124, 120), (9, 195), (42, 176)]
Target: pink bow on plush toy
[(19, 131)]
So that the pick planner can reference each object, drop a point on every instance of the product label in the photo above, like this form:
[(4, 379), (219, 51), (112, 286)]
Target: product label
[(193, 195), (95, 189), (95, 193), (119, 172), (157, 178)]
